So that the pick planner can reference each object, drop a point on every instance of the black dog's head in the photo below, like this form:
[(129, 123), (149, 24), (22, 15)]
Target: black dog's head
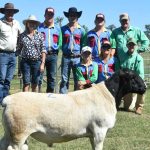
[(132, 82)]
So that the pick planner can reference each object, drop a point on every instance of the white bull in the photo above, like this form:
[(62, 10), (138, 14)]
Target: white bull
[(54, 118)]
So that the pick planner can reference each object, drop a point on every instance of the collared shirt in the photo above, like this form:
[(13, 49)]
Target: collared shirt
[(94, 41), (52, 36), (105, 70), (72, 41), (119, 40), (31, 48), (87, 73), (9, 34), (132, 61)]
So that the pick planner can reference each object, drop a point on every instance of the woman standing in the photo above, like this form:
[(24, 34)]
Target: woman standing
[(32, 50)]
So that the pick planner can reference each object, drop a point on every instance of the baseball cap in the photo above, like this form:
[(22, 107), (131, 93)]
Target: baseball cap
[(49, 10), (105, 43), (86, 49), (124, 16), (100, 15), (131, 40)]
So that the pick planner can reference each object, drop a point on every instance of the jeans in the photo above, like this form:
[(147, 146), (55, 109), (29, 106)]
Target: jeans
[(66, 66), (30, 71), (7, 69), (51, 66)]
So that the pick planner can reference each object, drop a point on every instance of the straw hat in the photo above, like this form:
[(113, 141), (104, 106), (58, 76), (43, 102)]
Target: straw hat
[(31, 18)]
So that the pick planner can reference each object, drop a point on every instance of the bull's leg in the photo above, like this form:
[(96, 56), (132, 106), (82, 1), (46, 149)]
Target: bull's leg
[(19, 145), (4, 142), (99, 134)]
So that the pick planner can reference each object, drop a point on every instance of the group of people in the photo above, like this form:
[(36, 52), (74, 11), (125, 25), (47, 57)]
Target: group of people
[(93, 56)]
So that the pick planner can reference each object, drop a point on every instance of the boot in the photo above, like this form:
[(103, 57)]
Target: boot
[(139, 111)]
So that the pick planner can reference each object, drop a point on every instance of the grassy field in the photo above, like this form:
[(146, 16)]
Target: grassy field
[(131, 132)]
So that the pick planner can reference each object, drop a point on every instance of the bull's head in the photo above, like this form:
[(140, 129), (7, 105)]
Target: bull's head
[(132, 82), (123, 82)]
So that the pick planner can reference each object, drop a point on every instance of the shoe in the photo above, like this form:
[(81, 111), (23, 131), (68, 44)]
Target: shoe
[(139, 111)]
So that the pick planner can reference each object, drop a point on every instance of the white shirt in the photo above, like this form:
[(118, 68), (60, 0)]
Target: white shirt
[(9, 35)]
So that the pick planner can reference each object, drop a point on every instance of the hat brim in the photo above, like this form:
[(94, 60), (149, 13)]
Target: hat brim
[(131, 42), (78, 14), (2, 10), (124, 18), (36, 22)]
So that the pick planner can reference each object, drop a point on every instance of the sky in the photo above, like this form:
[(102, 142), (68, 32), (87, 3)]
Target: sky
[(138, 10)]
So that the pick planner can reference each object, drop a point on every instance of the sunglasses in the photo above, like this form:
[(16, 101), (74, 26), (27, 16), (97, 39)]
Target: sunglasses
[(106, 47)]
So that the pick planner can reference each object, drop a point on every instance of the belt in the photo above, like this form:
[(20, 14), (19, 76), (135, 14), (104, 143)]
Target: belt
[(72, 56), (7, 52), (27, 59), (52, 52)]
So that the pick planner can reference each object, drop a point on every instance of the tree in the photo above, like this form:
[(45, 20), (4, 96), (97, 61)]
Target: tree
[(147, 32), (59, 20), (85, 28), (111, 27)]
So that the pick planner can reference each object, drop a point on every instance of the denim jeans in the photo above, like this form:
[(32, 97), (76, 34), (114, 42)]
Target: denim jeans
[(7, 69), (31, 71), (51, 66), (66, 66)]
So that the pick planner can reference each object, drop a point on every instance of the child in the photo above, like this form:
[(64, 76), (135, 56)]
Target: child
[(87, 70)]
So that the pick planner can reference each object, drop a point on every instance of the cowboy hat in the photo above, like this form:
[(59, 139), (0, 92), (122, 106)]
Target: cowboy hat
[(31, 18), (8, 6), (72, 10)]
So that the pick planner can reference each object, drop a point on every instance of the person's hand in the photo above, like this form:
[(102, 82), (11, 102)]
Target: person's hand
[(42, 67), (81, 82)]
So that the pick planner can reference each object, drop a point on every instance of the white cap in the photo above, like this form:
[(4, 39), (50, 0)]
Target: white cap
[(86, 49)]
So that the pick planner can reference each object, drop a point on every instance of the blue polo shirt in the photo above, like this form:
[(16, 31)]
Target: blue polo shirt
[(105, 70), (72, 41), (52, 36), (93, 38)]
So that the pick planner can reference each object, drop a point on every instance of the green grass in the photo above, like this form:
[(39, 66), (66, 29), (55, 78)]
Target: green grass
[(131, 132)]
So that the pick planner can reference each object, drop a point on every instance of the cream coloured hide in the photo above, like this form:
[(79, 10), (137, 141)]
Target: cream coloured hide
[(54, 118)]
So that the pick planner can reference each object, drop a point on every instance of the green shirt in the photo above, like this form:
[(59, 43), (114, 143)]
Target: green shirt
[(132, 61), (82, 71), (119, 39)]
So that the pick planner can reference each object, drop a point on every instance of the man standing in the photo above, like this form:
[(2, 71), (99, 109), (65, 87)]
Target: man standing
[(9, 30), (95, 36), (53, 39), (120, 35), (73, 37)]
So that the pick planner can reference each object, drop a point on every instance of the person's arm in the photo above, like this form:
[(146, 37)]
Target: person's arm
[(113, 44), (43, 53), (144, 42)]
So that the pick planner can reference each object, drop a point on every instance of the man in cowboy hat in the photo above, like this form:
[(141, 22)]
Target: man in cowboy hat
[(73, 38), (9, 30), (53, 40)]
